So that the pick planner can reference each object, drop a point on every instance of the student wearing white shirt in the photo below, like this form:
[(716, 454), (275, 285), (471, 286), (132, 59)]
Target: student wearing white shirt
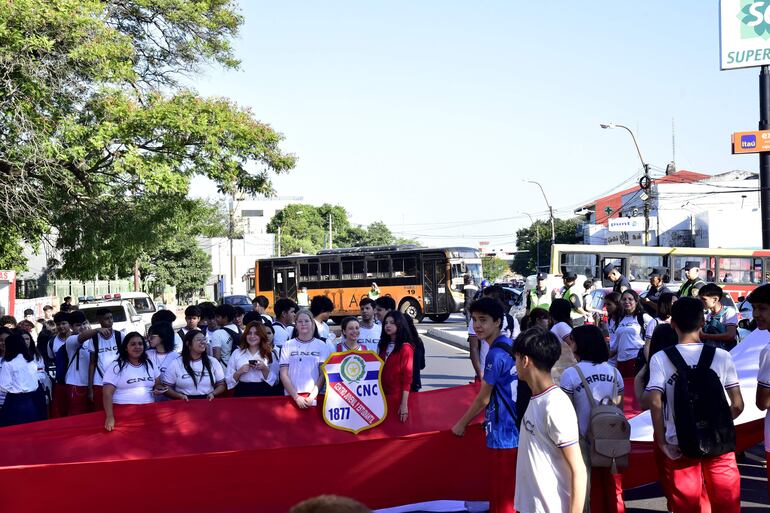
[(253, 367), (760, 303), (721, 328), (76, 377), (161, 352), (102, 346), (322, 307), (4, 334), (560, 311), (285, 314), (300, 364), (630, 332), (227, 336), (131, 379), (18, 379), (351, 339), (603, 379), (43, 395), (260, 304), (369, 330), (194, 375)]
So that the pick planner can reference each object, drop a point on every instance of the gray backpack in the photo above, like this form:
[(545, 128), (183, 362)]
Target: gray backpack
[(609, 433)]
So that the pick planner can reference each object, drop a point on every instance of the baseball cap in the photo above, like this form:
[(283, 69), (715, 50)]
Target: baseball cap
[(569, 275), (657, 271), (690, 264), (542, 276), (608, 268)]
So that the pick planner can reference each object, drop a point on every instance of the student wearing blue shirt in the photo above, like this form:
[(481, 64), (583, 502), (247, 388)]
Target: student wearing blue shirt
[(497, 397)]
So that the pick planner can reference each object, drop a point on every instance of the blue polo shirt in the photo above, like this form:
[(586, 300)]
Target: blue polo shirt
[(500, 372)]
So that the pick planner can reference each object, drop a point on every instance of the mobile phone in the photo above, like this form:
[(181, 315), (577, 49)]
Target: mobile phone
[(252, 362)]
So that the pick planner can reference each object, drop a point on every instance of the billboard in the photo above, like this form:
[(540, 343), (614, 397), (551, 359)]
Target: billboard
[(751, 142), (628, 224), (744, 33)]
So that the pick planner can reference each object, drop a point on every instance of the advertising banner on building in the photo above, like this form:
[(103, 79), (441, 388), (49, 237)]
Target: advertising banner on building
[(744, 33), (628, 224)]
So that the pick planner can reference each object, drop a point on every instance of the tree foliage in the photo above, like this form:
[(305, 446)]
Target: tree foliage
[(525, 261), (493, 268), (305, 229), (94, 126)]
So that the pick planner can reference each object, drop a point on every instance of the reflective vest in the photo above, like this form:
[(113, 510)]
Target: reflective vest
[(536, 301), (567, 294), (686, 289)]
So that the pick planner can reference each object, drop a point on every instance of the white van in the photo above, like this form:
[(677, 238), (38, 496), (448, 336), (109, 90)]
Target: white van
[(143, 304)]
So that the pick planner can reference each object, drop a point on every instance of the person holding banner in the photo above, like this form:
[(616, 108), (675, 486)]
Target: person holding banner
[(253, 368), (760, 303), (301, 360), (398, 353), (194, 375)]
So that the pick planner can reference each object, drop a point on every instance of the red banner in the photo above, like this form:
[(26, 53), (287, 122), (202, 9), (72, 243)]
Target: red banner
[(253, 455)]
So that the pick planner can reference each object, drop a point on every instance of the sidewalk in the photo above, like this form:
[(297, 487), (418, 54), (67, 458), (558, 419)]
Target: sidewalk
[(454, 335)]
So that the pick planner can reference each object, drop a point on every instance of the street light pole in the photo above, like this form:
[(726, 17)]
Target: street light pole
[(550, 211), (537, 239), (645, 183)]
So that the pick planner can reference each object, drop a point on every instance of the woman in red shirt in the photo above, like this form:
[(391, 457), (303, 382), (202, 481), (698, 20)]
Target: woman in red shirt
[(398, 353)]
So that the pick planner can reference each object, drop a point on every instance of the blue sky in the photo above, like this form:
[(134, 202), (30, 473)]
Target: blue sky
[(429, 115)]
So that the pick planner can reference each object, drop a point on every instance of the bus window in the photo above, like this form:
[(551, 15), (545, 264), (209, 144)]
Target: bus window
[(379, 268), (352, 268), (308, 271), (640, 266), (740, 270), (581, 263), (265, 276), (706, 267), (330, 271), (618, 263), (404, 266)]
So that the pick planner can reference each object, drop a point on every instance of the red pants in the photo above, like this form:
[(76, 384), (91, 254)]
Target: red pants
[(606, 491), (77, 400), (627, 368), (58, 402), (98, 399), (502, 483), (688, 479)]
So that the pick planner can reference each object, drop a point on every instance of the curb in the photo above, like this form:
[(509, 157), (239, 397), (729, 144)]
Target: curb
[(448, 338)]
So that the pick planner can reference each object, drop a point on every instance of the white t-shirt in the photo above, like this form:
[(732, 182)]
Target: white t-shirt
[(629, 337), (600, 378), (282, 333), (728, 315), (177, 377), (612, 326), (57, 343), (108, 353), (133, 384), (162, 361), (370, 337), (19, 376), (763, 381), (543, 478), (484, 345), (323, 328), (241, 357), (663, 372), (304, 359), (78, 358), (221, 339), (650, 329)]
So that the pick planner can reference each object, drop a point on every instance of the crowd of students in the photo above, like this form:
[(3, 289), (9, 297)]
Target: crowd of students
[(221, 351), (682, 371)]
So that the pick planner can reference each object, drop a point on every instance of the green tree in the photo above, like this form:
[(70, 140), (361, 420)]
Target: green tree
[(94, 124), (184, 266), (525, 261), (493, 268)]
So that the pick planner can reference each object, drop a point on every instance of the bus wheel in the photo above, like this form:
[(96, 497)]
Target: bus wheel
[(411, 308), (439, 318)]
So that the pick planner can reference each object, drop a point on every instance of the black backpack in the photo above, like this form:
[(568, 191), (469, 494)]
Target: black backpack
[(523, 392), (95, 341), (704, 423), (235, 339)]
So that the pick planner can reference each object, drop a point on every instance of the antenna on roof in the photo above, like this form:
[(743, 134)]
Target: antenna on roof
[(673, 142)]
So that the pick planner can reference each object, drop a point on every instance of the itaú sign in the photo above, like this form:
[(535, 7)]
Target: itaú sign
[(628, 224)]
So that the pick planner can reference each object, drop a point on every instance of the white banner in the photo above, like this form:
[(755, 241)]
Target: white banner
[(744, 33)]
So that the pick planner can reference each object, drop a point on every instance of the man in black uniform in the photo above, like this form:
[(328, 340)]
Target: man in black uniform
[(620, 283), (657, 287), (693, 284)]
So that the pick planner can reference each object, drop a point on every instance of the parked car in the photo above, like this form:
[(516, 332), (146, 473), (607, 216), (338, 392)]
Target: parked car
[(236, 300), (143, 304), (124, 316)]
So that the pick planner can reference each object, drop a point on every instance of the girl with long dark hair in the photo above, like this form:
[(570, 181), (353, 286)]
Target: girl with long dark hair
[(612, 307), (44, 393), (632, 321), (194, 375), (162, 343), (18, 379), (131, 379), (397, 350), (253, 367)]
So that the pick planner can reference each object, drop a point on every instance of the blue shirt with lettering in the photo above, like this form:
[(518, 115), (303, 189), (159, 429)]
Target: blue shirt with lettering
[(500, 421)]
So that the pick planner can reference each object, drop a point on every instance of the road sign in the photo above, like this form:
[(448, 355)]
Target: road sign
[(751, 142), (354, 399)]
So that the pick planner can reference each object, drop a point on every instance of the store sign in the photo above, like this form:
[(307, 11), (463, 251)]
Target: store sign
[(628, 224), (744, 33), (751, 142)]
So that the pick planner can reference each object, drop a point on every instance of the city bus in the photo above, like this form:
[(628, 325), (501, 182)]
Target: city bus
[(422, 281), (737, 271)]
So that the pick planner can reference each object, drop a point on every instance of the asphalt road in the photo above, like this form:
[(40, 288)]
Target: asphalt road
[(447, 366)]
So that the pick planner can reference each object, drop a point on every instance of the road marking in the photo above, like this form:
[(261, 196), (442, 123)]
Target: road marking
[(445, 344)]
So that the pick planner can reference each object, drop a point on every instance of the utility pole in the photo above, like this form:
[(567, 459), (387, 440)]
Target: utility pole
[(279, 240), (537, 239), (550, 211), (230, 235), (764, 157), (330, 231)]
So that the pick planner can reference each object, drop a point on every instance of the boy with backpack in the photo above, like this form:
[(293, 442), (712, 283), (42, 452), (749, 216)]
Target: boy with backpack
[(497, 396), (760, 305), (227, 337), (694, 428), (550, 473), (102, 345), (721, 328)]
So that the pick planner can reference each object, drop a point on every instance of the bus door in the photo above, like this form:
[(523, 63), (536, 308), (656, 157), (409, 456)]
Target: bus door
[(619, 261), (434, 285), (285, 282)]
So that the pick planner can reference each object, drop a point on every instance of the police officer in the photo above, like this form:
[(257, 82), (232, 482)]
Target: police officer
[(693, 283), (568, 292), (538, 296), (620, 283), (658, 279)]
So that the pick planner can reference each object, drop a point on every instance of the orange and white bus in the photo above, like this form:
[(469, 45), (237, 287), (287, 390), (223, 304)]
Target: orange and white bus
[(422, 281), (737, 271)]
